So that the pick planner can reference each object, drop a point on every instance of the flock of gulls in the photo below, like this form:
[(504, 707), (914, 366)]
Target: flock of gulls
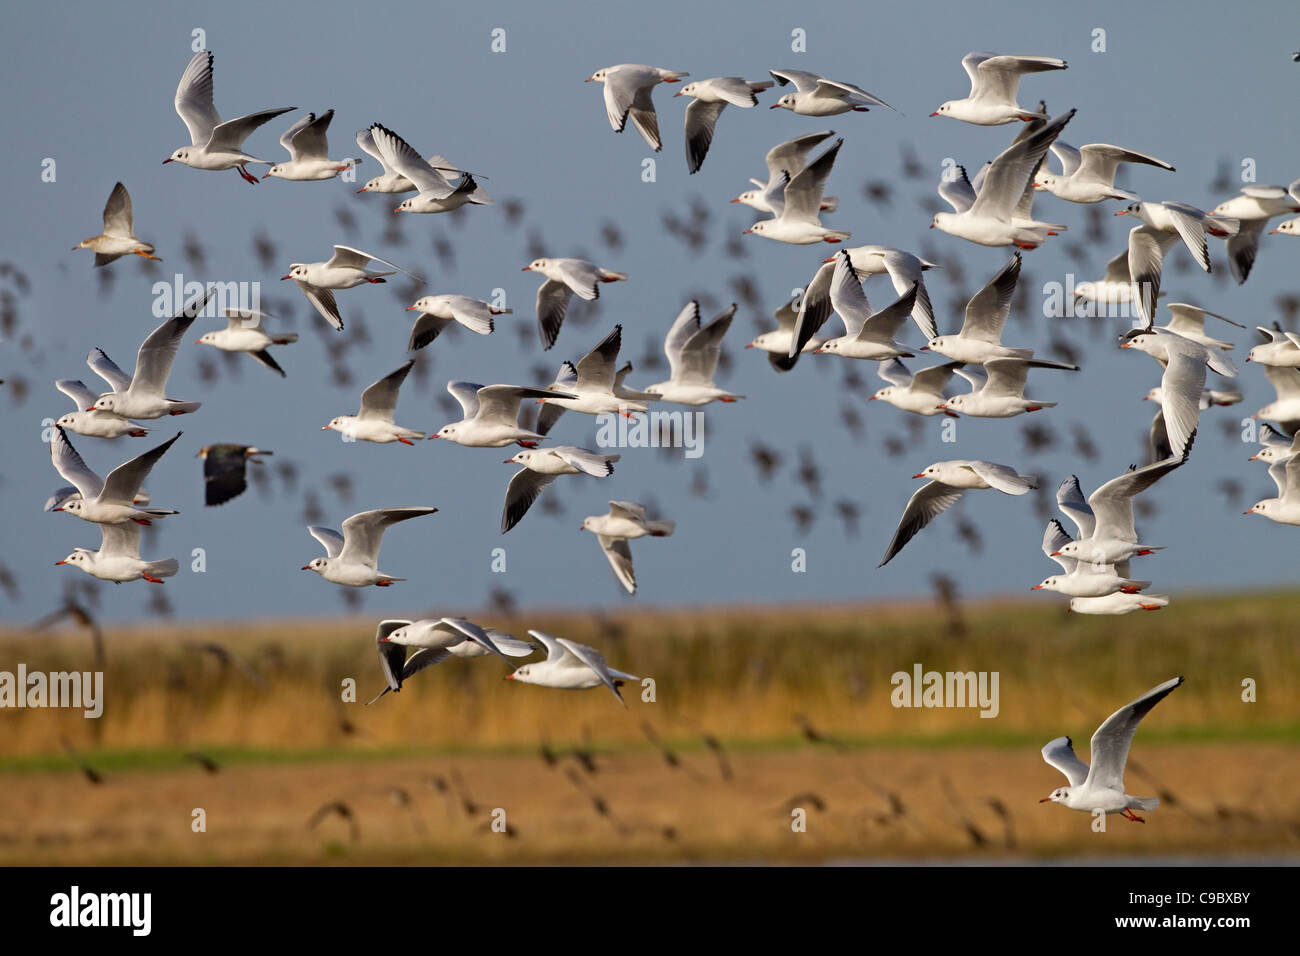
[(995, 208)]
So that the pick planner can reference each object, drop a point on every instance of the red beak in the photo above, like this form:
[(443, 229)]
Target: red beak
[(362, 189), (1122, 212), (775, 106), (871, 398), (526, 269), (919, 474), (747, 232), (267, 176), (410, 308), (509, 677), (282, 278), (164, 162), (57, 563), (737, 199), (305, 567), (1036, 587), (935, 113), (324, 428), (1045, 800)]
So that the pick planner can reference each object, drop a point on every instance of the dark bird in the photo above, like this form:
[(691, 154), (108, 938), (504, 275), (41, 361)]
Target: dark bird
[(223, 470), (340, 809), (204, 761)]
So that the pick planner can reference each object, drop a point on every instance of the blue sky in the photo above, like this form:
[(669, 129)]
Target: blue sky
[(93, 90)]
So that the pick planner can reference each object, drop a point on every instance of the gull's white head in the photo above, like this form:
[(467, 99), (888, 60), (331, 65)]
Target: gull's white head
[(67, 421), (933, 472), (1289, 228), (943, 110), (297, 270), (181, 155), (446, 431), (276, 170), (73, 506), (1259, 508), (1044, 180), (422, 304), (522, 674), (1132, 209), (784, 103), (1049, 584), (207, 338), (336, 424), (758, 227), (1059, 795), (522, 458), (79, 558), (941, 219), (597, 77), (1069, 550), (537, 265), (751, 197), (400, 636), (690, 89), (105, 403), (371, 184), (317, 564), (882, 394), (954, 404)]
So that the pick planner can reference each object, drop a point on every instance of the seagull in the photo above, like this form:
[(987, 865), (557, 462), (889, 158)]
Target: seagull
[(1275, 446), (785, 159), (223, 470), (65, 493), (213, 144), (540, 468), (1285, 508), (999, 388), (374, 421), (571, 666), (1106, 533), (350, 558), (797, 212), (920, 393), (1286, 408), (992, 217), (693, 350), (439, 311), (1184, 363), (563, 278), (1253, 209), (948, 481), (1115, 288), (435, 641), (980, 338), (140, 395), (309, 152), (817, 96), (868, 334), (436, 192), (1101, 786), (904, 271), (1188, 321), (1280, 349), (1163, 224), (118, 238), (106, 500), (994, 82), (244, 333), (627, 93), (346, 269), (118, 558), (626, 520), (779, 342), (1084, 578), (1088, 173), (491, 415), (392, 181), (90, 421), (710, 99), (591, 383)]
